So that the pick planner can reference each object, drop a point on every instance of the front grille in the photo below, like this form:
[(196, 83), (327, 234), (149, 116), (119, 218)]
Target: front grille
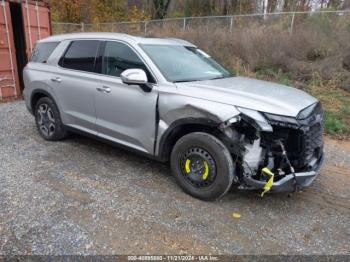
[(305, 144), (304, 141), (313, 139)]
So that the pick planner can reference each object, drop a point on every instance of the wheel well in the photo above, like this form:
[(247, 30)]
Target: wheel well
[(35, 98), (177, 132)]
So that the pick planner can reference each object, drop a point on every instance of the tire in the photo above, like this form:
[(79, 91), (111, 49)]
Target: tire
[(48, 120), (202, 166)]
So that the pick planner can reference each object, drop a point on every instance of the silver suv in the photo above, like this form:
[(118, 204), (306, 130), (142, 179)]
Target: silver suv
[(170, 100)]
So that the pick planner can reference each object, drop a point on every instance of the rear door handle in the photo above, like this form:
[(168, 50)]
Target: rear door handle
[(56, 79), (104, 89)]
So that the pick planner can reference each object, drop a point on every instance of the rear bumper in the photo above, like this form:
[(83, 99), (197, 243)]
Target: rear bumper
[(288, 183), (27, 101)]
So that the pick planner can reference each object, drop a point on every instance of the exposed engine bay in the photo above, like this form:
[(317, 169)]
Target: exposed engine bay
[(284, 159)]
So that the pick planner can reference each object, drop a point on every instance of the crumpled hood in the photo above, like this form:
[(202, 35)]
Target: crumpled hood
[(250, 93)]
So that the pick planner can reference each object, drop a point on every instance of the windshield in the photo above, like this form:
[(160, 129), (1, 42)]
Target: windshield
[(184, 63)]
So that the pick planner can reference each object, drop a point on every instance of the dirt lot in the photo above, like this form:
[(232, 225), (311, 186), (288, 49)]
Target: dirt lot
[(79, 196)]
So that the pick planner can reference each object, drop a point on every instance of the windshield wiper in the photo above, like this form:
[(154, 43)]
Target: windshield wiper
[(193, 80), (185, 80), (223, 76), (218, 77)]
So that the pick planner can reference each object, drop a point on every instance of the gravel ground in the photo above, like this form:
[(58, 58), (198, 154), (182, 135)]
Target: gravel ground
[(79, 196)]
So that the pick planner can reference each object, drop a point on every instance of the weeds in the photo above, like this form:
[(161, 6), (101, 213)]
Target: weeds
[(334, 123)]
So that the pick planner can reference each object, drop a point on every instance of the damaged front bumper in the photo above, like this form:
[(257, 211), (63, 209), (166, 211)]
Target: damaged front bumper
[(289, 182)]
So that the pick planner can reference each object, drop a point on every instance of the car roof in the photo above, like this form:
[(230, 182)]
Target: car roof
[(117, 36)]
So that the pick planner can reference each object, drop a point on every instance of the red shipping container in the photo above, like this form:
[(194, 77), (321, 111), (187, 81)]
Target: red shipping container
[(22, 24)]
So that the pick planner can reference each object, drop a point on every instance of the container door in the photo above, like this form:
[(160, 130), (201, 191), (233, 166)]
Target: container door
[(9, 82), (36, 23)]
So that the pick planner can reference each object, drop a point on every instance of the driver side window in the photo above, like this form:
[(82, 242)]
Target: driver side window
[(118, 57)]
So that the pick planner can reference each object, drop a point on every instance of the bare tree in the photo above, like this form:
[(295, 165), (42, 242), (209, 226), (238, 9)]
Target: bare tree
[(346, 4), (160, 8), (336, 4), (272, 6)]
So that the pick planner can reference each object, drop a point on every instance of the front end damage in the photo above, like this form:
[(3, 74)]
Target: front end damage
[(276, 153)]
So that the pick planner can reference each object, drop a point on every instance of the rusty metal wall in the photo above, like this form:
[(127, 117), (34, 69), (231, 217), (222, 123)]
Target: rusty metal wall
[(37, 25), (9, 82)]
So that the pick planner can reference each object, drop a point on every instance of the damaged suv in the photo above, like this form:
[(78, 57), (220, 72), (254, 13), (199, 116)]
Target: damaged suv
[(172, 101)]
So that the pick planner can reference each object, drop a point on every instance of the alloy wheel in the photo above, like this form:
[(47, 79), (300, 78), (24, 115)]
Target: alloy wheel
[(46, 120)]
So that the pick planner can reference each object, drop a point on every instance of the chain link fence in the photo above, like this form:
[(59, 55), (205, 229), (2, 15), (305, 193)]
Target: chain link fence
[(284, 20)]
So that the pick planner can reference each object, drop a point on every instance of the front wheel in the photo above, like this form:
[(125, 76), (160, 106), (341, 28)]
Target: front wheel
[(202, 166)]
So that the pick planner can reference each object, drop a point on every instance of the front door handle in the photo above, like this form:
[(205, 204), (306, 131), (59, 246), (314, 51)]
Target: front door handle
[(104, 89), (56, 79)]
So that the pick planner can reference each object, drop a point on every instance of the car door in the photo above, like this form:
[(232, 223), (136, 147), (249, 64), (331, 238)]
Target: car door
[(75, 84), (124, 113)]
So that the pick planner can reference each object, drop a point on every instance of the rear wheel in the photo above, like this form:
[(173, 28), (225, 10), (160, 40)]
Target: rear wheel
[(202, 166), (48, 120)]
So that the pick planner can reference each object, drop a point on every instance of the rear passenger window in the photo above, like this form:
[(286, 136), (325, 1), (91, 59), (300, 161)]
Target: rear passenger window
[(42, 51), (81, 55), (118, 57)]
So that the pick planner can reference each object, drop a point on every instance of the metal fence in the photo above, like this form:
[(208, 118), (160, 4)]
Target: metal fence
[(285, 20)]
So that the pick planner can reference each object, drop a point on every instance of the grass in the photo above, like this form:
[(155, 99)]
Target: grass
[(335, 123), (273, 73)]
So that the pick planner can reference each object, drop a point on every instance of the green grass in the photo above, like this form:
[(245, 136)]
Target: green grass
[(274, 73), (334, 123)]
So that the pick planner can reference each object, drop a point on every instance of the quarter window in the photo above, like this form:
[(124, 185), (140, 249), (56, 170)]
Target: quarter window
[(42, 51), (118, 57), (81, 55)]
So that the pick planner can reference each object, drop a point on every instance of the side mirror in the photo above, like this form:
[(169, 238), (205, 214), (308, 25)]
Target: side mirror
[(136, 77)]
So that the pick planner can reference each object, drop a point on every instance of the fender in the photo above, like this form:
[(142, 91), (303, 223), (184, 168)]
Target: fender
[(176, 111), (176, 126), (35, 81), (34, 93)]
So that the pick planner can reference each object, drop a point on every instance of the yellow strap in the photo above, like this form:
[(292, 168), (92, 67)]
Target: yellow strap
[(267, 171), (269, 183), (206, 171), (187, 166)]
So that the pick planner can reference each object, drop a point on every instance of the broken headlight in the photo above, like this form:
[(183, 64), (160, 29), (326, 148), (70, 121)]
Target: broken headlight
[(256, 119), (314, 109), (273, 119)]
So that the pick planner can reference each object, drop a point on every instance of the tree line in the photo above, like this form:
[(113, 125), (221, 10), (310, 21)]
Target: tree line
[(99, 11)]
